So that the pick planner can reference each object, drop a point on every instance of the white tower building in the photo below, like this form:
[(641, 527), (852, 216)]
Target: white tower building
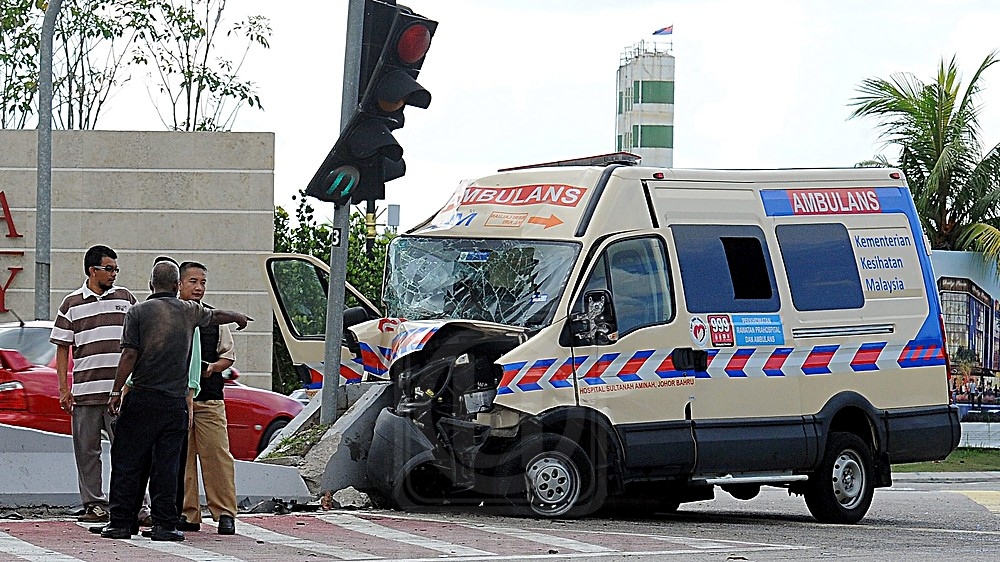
[(645, 121)]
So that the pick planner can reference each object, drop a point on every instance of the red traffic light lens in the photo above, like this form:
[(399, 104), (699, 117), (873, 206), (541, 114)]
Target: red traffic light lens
[(413, 43), (391, 106)]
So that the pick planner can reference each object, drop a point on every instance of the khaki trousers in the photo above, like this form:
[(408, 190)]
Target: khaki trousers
[(208, 442), (87, 423)]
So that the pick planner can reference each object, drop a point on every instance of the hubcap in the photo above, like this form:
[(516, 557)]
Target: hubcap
[(553, 483), (848, 479)]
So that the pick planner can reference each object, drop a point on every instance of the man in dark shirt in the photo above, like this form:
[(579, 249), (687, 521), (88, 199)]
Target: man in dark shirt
[(153, 417)]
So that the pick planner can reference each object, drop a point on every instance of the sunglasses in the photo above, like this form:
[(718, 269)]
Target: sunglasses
[(108, 268)]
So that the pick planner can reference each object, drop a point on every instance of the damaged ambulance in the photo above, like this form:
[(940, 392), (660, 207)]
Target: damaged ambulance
[(559, 336)]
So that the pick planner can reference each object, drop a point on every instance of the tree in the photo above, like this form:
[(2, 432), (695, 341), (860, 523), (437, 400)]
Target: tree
[(19, 38), (179, 39), (91, 44), (955, 186), (93, 39), (308, 236)]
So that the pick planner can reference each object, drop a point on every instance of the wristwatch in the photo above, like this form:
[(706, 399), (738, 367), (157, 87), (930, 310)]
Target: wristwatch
[(115, 393)]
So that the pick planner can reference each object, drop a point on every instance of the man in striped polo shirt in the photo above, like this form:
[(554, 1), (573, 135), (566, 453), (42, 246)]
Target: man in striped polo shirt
[(90, 321)]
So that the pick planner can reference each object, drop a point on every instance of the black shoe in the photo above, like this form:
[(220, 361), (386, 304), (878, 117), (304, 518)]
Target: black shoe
[(188, 527), (96, 529), (160, 534), (227, 525), (110, 532), (147, 533)]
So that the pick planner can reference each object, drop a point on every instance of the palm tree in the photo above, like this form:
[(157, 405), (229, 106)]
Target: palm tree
[(956, 188)]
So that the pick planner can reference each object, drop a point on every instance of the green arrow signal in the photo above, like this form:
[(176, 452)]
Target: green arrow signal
[(342, 181)]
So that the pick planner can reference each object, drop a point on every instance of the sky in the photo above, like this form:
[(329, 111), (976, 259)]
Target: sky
[(759, 84)]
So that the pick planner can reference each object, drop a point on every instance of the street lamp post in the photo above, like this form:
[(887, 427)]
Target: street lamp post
[(43, 166)]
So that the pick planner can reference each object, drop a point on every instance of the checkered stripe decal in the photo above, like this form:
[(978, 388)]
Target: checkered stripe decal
[(656, 364), (349, 374), (377, 359)]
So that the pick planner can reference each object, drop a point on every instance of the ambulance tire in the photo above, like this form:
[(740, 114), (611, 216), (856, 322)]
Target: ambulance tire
[(560, 479), (842, 488)]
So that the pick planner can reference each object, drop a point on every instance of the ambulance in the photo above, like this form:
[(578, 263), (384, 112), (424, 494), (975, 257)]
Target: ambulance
[(564, 337)]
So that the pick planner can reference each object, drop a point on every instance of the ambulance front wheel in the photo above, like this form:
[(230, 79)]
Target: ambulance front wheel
[(560, 479), (841, 490)]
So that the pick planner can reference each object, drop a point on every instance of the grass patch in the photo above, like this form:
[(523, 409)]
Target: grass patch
[(299, 444), (966, 459)]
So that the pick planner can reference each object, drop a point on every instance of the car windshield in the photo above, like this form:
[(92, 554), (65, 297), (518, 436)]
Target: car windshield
[(32, 343), (513, 282)]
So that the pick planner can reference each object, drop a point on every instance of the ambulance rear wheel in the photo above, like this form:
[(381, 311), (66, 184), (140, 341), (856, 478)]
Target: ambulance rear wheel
[(560, 479), (841, 490)]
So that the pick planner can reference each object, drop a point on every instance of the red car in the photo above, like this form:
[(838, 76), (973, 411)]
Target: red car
[(29, 393)]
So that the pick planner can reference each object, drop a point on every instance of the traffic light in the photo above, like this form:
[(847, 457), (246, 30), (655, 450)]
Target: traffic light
[(366, 155)]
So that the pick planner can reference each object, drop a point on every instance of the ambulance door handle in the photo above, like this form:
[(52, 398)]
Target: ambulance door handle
[(687, 359)]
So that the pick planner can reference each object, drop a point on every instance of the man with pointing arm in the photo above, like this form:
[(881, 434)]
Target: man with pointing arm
[(153, 416)]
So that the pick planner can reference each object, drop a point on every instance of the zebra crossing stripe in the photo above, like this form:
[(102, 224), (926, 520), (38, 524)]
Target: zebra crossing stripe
[(367, 527), (182, 550), (177, 549), (26, 551), (269, 536), (550, 540)]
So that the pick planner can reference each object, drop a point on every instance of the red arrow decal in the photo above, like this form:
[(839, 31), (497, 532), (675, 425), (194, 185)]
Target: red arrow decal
[(551, 221)]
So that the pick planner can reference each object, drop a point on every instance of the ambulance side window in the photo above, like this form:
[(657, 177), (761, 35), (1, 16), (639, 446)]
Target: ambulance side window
[(597, 281), (820, 265), (638, 282), (725, 268)]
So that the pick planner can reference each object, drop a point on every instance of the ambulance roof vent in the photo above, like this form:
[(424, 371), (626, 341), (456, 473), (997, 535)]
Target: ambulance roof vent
[(626, 158)]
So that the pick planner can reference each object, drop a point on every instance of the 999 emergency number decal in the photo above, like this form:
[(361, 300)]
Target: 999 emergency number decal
[(721, 329)]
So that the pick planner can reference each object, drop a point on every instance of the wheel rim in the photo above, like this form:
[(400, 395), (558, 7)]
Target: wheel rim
[(553, 483), (848, 479)]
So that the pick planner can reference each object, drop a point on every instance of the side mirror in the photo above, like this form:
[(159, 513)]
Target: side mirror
[(351, 342), (597, 324), (354, 316)]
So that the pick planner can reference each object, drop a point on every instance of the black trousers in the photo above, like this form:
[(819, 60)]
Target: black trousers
[(149, 432), (181, 470)]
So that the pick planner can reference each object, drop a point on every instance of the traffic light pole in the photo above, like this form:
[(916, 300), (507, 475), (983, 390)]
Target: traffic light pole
[(341, 225)]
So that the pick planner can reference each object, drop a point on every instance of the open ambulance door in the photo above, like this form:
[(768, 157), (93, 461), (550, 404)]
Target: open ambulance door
[(298, 285)]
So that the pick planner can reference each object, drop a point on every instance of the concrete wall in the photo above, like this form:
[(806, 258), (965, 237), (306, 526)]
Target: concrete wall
[(38, 468), (200, 196)]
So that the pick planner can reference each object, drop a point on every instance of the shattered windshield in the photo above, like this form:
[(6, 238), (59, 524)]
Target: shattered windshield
[(513, 282)]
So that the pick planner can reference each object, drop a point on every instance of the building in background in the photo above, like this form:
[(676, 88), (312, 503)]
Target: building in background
[(970, 303), (645, 119), (202, 196)]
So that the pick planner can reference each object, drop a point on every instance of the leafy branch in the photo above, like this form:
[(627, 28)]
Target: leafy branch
[(178, 39)]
